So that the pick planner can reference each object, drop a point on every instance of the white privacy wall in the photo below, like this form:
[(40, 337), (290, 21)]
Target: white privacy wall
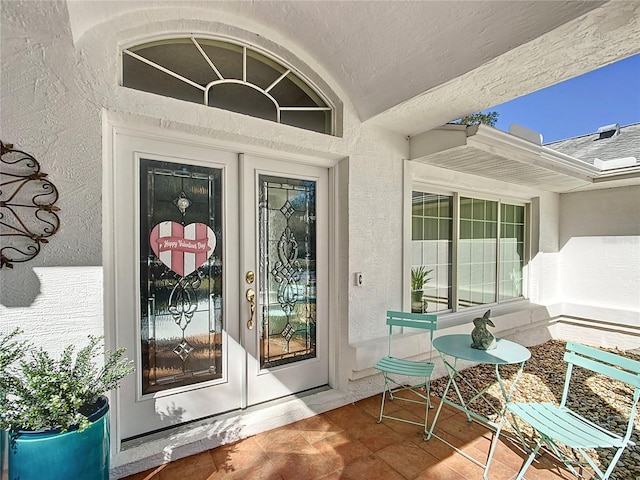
[(600, 249), (66, 311)]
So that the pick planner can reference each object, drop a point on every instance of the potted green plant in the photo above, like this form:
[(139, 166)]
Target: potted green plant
[(419, 278), (56, 412)]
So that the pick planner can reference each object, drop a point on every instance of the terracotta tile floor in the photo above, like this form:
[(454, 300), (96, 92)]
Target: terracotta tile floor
[(348, 443)]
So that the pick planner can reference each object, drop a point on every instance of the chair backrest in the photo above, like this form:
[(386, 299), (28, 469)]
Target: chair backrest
[(609, 364), (424, 321)]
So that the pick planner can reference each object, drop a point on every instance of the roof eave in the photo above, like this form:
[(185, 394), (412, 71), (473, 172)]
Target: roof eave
[(487, 152), (537, 155)]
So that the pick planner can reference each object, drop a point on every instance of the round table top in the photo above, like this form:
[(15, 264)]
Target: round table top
[(459, 346)]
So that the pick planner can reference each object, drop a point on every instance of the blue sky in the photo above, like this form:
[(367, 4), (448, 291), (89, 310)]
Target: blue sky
[(578, 106)]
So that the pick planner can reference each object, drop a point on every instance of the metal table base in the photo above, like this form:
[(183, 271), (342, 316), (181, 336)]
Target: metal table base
[(458, 347)]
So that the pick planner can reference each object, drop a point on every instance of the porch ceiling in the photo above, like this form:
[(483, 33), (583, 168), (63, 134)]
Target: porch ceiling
[(411, 66), (474, 161)]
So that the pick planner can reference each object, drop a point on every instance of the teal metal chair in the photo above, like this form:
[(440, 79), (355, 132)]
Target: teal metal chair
[(559, 425), (398, 372)]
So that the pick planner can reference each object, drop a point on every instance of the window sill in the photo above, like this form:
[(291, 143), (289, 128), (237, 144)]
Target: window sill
[(466, 316), (508, 318)]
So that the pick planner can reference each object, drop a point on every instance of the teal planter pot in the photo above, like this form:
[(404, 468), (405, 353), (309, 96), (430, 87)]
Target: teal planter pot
[(3, 445), (51, 455)]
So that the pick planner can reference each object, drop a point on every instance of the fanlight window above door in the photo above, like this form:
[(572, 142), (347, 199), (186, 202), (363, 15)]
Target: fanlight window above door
[(226, 75)]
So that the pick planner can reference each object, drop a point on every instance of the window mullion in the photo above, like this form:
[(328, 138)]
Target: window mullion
[(528, 251), (207, 59), (277, 81), (455, 236), (244, 64), (498, 241), (162, 69)]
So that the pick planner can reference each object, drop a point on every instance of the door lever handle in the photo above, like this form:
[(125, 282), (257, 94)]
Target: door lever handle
[(250, 295)]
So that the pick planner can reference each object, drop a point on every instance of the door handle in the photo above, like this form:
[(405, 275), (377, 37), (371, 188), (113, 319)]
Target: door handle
[(250, 295)]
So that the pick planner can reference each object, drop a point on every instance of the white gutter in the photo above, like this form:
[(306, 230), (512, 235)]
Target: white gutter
[(514, 149), (496, 141)]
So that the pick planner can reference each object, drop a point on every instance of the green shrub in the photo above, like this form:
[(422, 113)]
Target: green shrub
[(43, 393)]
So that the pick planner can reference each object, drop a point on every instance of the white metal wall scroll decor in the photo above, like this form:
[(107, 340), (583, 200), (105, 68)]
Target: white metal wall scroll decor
[(27, 207)]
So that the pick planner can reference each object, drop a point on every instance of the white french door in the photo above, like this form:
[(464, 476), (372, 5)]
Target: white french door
[(284, 257), (189, 224)]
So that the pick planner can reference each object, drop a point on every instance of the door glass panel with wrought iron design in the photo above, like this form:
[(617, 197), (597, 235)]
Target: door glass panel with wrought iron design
[(287, 254), (180, 275)]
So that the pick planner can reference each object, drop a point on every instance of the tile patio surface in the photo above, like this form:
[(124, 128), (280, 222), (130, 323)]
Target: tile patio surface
[(348, 443)]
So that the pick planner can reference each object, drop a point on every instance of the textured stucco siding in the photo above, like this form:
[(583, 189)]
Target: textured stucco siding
[(600, 248), (48, 110), (56, 91)]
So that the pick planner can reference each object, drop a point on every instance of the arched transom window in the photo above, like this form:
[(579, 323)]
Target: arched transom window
[(226, 75)]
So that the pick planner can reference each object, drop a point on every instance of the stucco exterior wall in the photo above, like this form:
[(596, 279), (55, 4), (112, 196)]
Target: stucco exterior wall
[(67, 309), (375, 232), (56, 90), (600, 248), (54, 96), (49, 112)]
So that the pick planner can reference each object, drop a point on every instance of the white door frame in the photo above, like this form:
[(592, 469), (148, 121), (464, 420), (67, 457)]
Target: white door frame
[(115, 123)]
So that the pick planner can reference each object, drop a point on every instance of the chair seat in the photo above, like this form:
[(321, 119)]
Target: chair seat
[(409, 368), (402, 375), (565, 425), (559, 426)]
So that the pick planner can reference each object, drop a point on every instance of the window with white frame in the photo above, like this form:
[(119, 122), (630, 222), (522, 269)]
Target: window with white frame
[(227, 75), (473, 250)]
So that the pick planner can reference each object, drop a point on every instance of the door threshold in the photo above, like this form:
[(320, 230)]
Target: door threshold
[(149, 451), (132, 442)]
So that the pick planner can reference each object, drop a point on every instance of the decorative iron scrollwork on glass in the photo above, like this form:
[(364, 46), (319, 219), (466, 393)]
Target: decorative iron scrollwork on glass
[(182, 202), (287, 271), (27, 207), (181, 275), (183, 303)]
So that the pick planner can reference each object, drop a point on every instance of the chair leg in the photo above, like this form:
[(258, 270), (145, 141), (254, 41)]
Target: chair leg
[(612, 465), (529, 461), (492, 448), (384, 394), (556, 451), (600, 474), (428, 405), (426, 413)]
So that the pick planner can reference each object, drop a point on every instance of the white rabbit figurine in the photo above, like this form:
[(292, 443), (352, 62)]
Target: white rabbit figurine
[(482, 338)]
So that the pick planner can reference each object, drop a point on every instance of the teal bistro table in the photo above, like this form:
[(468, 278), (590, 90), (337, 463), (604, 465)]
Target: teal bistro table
[(453, 348)]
